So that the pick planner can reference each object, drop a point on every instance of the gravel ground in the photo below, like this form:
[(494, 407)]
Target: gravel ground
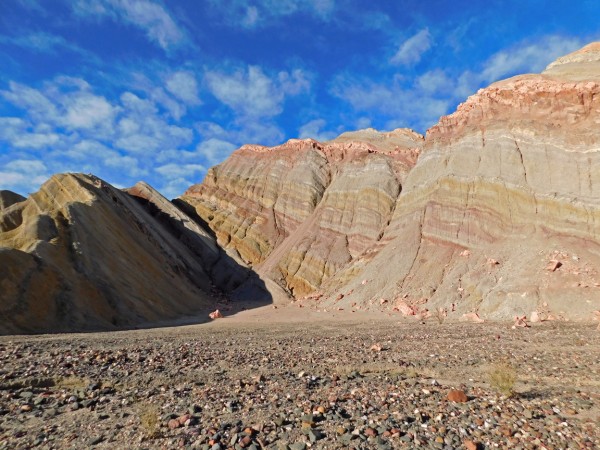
[(363, 384)]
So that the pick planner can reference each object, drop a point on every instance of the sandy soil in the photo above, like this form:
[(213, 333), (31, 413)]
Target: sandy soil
[(294, 378)]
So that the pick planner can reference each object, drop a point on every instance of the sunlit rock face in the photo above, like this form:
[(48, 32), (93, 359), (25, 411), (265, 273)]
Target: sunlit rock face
[(301, 211), (82, 255), (504, 186)]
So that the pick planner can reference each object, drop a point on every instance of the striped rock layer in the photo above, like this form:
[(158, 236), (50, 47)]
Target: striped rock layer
[(299, 212), (82, 255), (500, 215)]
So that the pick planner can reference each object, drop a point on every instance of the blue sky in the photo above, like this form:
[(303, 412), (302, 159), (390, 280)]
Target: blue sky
[(162, 90)]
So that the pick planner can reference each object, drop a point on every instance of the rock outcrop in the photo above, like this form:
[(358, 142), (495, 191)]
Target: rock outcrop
[(504, 187), (80, 255), (9, 198), (494, 214), (301, 211)]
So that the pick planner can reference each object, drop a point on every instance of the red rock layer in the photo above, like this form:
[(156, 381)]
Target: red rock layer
[(509, 181), (300, 211)]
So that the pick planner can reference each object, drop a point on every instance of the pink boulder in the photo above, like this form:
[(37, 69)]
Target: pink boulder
[(216, 314)]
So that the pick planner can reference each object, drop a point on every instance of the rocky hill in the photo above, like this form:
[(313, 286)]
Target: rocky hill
[(500, 215), (81, 255), (494, 213), (299, 212)]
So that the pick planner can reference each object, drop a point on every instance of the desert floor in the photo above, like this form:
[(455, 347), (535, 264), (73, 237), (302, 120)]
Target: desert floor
[(297, 378)]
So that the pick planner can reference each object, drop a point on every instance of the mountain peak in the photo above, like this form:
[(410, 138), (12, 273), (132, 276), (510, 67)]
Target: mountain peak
[(580, 65)]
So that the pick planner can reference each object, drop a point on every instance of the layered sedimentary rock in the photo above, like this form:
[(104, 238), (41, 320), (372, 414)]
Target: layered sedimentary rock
[(500, 216), (300, 211), (8, 198), (80, 254), (495, 213), (505, 188)]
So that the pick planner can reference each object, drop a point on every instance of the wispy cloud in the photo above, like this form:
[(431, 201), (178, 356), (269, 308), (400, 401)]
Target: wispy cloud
[(531, 56), (262, 12), (251, 93), (315, 129), (412, 50), (23, 175), (151, 17), (419, 101), (528, 57), (402, 103), (39, 42), (70, 127), (184, 86)]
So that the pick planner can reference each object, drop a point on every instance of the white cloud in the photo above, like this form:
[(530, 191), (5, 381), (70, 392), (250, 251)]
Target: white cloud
[(37, 105), (434, 81), (26, 166), (264, 11), (39, 41), (244, 131), (528, 57), (411, 51), (23, 175), (363, 122), (323, 8), (404, 105), (314, 130), (251, 17), (183, 85), (175, 109), (21, 135), (137, 105), (143, 131), (125, 164), (251, 93), (149, 16), (174, 170), (258, 132), (294, 83), (87, 111), (215, 150), (65, 102)]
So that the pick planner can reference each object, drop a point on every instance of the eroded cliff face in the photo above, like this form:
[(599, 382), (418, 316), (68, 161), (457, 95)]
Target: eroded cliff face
[(495, 212), (80, 254), (500, 215), (300, 211), (506, 187)]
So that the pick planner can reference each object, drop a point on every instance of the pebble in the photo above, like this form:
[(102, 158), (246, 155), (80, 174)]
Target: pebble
[(206, 389)]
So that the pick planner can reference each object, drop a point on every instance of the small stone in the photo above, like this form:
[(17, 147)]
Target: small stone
[(298, 446), (216, 314), (95, 440), (457, 396), (370, 432), (315, 435), (183, 419), (470, 445), (173, 423)]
